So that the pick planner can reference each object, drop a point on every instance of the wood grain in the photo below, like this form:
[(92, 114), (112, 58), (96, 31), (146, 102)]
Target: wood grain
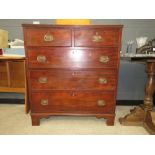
[(60, 37), (84, 37), (73, 80), (74, 74), (67, 58)]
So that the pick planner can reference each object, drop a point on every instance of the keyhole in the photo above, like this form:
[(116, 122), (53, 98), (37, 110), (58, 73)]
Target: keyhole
[(97, 33), (73, 73), (73, 94)]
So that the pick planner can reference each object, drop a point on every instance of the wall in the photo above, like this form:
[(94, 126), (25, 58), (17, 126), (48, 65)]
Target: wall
[(132, 75), (133, 28)]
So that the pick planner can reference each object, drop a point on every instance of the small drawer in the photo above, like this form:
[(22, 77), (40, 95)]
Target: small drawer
[(73, 101), (66, 58), (72, 80), (96, 37), (47, 37)]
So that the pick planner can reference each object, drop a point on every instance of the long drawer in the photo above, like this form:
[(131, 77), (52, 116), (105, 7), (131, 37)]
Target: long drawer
[(72, 80), (48, 37), (67, 58), (96, 37), (73, 101)]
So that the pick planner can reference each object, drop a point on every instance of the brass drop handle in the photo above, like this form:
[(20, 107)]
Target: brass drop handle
[(48, 37), (97, 37), (102, 80), (44, 102), (101, 103), (43, 80), (41, 58), (104, 59)]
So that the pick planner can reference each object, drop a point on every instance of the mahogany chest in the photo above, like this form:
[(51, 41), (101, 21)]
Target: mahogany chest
[(72, 70)]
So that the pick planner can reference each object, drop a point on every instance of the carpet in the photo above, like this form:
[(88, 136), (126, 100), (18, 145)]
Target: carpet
[(14, 121)]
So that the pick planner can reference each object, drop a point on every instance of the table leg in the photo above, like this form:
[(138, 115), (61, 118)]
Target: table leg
[(148, 123), (139, 115)]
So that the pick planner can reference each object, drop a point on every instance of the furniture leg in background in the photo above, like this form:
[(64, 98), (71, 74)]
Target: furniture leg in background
[(12, 76), (143, 115)]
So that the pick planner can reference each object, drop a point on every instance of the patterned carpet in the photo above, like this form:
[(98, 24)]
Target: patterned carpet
[(13, 121)]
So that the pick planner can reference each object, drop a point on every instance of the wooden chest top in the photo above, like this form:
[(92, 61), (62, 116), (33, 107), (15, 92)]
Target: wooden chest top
[(78, 36)]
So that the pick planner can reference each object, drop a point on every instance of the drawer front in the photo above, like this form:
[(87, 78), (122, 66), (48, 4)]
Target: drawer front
[(72, 80), (72, 101), (96, 37), (48, 37), (65, 58)]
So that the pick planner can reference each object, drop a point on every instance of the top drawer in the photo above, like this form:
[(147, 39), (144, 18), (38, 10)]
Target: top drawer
[(96, 37), (47, 37)]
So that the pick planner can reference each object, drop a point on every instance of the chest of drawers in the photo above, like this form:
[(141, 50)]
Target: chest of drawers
[(72, 70)]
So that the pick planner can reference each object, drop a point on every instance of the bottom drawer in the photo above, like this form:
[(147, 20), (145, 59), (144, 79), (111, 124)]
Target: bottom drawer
[(73, 102)]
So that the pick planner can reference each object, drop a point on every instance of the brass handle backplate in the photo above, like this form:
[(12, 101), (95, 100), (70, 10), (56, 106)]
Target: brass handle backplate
[(97, 38), (44, 102), (48, 37), (43, 80), (41, 58), (102, 80), (104, 59), (101, 103)]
